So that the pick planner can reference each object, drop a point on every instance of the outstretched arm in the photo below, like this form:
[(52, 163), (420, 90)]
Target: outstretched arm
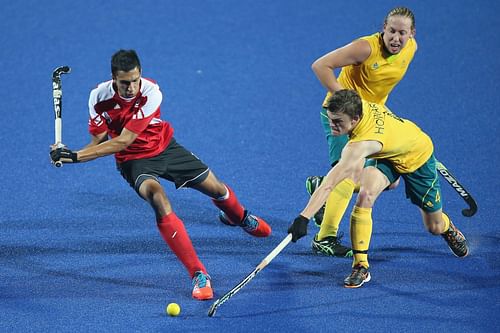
[(351, 162), (352, 159), (106, 147), (99, 146)]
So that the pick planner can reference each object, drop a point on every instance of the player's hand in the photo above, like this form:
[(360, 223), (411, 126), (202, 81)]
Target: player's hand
[(64, 155), (298, 229)]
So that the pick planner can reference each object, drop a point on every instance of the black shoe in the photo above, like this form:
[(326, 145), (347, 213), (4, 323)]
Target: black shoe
[(358, 277), (331, 246), (312, 183), (456, 241)]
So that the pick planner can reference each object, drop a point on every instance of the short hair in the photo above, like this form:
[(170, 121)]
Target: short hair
[(401, 11), (124, 60), (346, 101)]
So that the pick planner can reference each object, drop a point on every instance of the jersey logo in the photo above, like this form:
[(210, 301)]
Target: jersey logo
[(138, 113), (97, 121), (375, 66), (429, 204), (438, 197)]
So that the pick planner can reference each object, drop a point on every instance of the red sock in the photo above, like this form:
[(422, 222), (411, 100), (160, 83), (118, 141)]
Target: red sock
[(173, 232), (231, 207)]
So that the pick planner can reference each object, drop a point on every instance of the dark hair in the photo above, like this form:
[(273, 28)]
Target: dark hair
[(346, 101), (401, 11), (124, 60)]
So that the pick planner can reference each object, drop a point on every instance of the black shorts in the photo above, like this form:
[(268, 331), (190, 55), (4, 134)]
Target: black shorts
[(175, 164)]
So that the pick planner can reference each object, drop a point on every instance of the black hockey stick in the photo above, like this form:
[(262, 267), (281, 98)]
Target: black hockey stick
[(57, 95), (250, 276), (443, 170)]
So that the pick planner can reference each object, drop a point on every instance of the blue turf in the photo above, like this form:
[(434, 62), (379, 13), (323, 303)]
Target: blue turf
[(80, 252)]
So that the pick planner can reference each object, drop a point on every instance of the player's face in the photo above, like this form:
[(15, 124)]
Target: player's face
[(128, 83), (341, 123), (397, 32)]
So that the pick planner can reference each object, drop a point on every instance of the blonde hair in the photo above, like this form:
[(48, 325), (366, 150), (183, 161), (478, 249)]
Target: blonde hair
[(401, 11)]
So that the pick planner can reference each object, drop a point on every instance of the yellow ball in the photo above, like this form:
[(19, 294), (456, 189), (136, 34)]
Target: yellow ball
[(173, 309)]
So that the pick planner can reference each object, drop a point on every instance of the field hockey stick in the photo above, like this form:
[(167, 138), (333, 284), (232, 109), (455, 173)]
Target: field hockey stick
[(468, 212), (250, 276), (57, 96)]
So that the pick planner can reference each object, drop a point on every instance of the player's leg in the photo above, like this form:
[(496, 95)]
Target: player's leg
[(142, 176), (231, 211), (374, 180), (424, 190), (328, 240), (187, 170)]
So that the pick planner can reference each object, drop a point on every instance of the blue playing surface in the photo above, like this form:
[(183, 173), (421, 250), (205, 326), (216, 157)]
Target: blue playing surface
[(80, 251)]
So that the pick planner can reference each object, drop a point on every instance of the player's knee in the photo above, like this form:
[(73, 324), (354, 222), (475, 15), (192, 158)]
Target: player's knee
[(366, 198)]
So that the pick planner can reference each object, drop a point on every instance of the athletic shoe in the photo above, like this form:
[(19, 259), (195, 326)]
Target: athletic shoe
[(312, 183), (456, 241), (331, 246), (252, 224), (358, 277), (202, 288)]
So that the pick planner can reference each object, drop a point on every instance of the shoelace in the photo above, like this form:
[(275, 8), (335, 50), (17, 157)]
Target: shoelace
[(356, 271), (455, 239), (200, 280), (250, 223)]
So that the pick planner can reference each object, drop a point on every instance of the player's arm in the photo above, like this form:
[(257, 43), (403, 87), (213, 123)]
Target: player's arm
[(100, 146), (351, 162), (351, 54), (96, 139)]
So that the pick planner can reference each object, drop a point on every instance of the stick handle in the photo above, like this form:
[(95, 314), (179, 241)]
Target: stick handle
[(275, 252), (58, 130)]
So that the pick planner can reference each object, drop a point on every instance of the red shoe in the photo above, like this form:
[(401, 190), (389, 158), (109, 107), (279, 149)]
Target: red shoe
[(252, 224), (202, 288)]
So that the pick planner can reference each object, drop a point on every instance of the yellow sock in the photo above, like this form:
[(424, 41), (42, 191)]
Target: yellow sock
[(335, 208), (361, 232), (446, 220)]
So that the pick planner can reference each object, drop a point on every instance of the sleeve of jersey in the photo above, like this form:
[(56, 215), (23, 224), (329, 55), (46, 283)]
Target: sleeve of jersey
[(97, 125), (147, 112)]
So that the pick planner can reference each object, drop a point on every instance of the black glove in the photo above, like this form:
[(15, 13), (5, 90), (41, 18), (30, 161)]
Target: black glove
[(64, 155), (298, 229)]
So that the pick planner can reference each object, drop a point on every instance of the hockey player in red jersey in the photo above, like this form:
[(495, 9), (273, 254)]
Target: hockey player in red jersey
[(125, 121)]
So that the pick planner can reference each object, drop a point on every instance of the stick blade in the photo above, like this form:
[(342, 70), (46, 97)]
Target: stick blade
[(213, 308)]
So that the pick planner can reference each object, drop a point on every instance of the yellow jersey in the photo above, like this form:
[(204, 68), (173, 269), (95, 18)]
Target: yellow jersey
[(404, 144), (375, 78)]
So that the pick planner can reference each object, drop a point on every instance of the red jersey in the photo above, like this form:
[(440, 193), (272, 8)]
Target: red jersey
[(141, 114)]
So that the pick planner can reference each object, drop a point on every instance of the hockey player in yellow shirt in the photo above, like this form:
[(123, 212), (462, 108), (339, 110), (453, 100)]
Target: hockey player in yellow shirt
[(373, 66), (393, 147)]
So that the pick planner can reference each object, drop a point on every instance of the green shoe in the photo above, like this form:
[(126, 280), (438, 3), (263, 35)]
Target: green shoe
[(331, 246)]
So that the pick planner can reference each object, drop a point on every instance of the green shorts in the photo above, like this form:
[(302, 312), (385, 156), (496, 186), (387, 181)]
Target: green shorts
[(422, 186), (335, 143)]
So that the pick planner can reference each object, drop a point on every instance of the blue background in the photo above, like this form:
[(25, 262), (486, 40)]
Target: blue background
[(80, 251)]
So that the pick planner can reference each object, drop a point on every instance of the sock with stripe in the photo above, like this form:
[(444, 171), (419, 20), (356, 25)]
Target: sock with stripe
[(175, 235), (361, 232)]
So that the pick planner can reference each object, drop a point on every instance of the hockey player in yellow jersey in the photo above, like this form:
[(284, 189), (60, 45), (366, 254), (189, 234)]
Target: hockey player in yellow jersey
[(395, 147), (372, 65)]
